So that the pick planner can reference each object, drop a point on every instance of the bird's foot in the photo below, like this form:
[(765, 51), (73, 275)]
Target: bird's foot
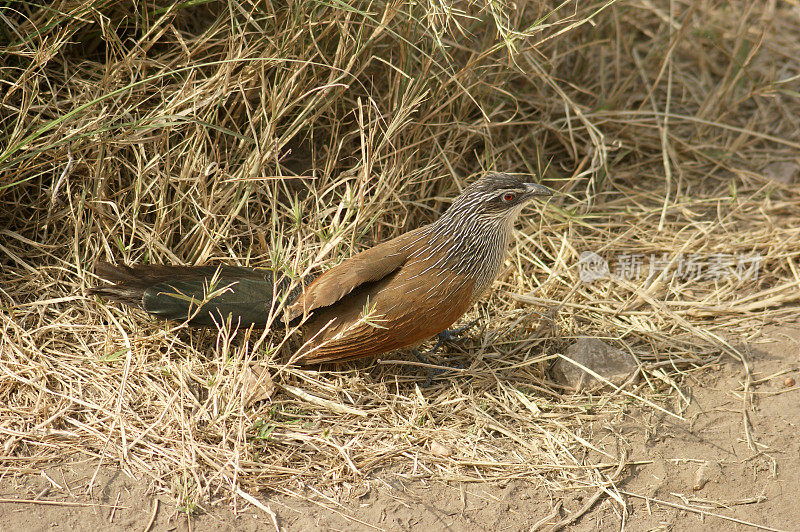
[(436, 369), (448, 335), (451, 335)]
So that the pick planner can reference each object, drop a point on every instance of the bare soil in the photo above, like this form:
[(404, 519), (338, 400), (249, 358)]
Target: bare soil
[(665, 491)]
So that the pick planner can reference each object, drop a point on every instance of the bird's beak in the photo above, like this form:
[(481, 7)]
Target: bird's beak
[(535, 189)]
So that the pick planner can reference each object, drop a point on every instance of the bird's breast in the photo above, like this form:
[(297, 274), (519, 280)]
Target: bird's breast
[(477, 255)]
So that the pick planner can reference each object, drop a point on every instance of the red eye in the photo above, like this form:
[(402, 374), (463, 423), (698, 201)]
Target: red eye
[(509, 196)]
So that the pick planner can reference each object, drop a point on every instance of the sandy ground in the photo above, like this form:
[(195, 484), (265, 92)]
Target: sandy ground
[(759, 486)]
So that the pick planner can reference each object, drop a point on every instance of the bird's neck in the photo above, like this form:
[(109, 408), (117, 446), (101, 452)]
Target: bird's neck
[(473, 246)]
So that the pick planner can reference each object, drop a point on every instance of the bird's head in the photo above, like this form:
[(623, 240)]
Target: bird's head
[(496, 197)]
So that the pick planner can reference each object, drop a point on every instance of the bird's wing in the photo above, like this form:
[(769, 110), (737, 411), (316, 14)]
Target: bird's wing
[(369, 266), (418, 302)]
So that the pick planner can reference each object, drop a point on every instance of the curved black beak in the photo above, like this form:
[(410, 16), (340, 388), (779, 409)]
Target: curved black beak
[(535, 189)]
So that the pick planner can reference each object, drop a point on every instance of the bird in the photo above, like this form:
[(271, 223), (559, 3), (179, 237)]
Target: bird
[(395, 295)]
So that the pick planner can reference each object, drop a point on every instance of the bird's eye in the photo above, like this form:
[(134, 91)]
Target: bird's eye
[(509, 196)]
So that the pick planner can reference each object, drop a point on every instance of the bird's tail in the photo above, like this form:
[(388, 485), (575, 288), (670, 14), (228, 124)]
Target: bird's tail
[(204, 296)]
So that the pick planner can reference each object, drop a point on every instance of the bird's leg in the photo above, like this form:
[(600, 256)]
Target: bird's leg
[(447, 335), (452, 335), (432, 372)]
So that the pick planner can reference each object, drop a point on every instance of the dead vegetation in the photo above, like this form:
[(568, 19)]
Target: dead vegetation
[(291, 134)]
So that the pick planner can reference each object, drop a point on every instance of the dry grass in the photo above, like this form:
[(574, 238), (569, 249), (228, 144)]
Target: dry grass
[(262, 133)]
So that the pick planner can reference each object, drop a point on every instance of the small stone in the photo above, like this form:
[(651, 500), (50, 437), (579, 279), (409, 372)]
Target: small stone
[(789, 382), (442, 451), (782, 171), (609, 362), (706, 472)]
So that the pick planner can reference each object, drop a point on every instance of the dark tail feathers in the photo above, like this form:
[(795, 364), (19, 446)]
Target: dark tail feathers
[(247, 295)]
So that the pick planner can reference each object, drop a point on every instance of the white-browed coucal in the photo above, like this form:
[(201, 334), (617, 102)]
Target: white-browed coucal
[(396, 294)]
